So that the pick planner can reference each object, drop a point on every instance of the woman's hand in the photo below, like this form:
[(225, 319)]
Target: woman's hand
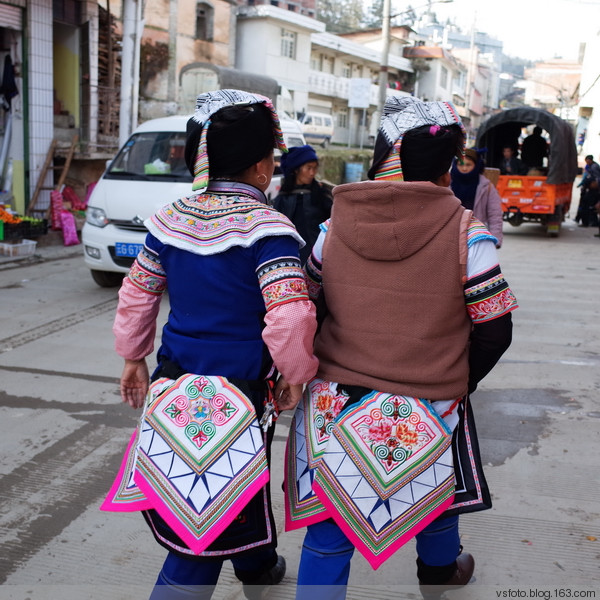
[(287, 396), (134, 382)]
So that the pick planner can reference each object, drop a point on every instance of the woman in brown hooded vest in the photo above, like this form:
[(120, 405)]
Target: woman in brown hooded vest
[(417, 313)]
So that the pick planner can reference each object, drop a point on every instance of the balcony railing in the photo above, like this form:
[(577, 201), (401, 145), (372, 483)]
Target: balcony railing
[(326, 84)]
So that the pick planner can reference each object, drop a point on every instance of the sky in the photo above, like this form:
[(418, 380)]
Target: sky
[(530, 29)]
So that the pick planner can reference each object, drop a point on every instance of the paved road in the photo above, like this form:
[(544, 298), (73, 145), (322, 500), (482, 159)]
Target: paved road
[(63, 431)]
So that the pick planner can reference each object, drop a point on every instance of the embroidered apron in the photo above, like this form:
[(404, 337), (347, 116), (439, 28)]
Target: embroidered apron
[(197, 459), (381, 468)]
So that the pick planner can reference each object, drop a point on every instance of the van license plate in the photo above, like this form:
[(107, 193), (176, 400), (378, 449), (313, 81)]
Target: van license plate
[(131, 250)]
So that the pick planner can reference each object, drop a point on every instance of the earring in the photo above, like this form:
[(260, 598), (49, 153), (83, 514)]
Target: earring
[(263, 181)]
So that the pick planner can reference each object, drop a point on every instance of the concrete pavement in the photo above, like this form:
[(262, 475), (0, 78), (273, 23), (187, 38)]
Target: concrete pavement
[(63, 430)]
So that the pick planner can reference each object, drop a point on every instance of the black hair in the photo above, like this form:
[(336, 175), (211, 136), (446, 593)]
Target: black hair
[(288, 183), (237, 138), (427, 155)]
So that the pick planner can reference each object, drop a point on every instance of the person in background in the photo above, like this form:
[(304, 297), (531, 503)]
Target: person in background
[(303, 199), (534, 149), (586, 214), (581, 140), (176, 158), (239, 313), (511, 165), (476, 192), (416, 308)]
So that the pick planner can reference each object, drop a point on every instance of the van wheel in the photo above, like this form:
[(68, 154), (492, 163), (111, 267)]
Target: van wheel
[(325, 143), (107, 278)]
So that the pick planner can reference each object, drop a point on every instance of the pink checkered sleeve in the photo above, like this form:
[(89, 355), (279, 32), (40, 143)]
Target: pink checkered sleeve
[(135, 322), (289, 333)]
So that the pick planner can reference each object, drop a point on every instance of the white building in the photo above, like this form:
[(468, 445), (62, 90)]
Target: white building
[(589, 99), (276, 42), (316, 67)]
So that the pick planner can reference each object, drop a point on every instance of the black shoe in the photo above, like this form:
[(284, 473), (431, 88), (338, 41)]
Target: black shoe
[(258, 589), (465, 565)]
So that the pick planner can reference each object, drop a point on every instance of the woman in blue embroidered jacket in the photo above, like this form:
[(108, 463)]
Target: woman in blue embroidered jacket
[(239, 313)]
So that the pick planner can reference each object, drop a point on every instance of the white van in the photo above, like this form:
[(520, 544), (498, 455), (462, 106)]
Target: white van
[(317, 127), (148, 172)]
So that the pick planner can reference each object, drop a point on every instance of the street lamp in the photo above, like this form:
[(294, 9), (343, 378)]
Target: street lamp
[(385, 49)]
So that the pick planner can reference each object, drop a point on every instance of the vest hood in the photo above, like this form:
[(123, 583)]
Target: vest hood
[(367, 215)]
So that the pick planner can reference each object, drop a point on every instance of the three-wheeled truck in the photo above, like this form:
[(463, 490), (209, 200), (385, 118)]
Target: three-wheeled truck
[(543, 196)]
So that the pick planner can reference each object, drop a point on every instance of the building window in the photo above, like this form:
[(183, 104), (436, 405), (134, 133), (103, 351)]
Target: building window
[(326, 64), (342, 118), (347, 70), (288, 43), (204, 21), (67, 11), (444, 78), (292, 7)]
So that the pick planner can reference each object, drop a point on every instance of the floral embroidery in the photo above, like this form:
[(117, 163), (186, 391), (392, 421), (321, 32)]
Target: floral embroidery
[(200, 411), (147, 273), (393, 432), (211, 223), (314, 276), (492, 308), (327, 405), (488, 296), (282, 281)]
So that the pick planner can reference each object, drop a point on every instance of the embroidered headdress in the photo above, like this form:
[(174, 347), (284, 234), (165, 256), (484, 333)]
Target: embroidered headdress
[(402, 114), (207, 105)]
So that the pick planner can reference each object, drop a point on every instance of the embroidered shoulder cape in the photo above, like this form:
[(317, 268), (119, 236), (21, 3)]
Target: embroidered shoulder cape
[(224, 216)]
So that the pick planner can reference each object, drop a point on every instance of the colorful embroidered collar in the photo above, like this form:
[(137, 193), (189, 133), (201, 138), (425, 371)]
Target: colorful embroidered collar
[(227, 214)]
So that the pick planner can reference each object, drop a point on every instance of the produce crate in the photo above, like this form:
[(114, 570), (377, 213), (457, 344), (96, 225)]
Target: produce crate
[(25, 229), (18, 249)]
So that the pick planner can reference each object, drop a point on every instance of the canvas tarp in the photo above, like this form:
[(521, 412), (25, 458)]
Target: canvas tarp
[(504, 128)]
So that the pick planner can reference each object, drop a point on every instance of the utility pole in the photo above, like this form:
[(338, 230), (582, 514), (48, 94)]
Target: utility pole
[(130, 68), (385, 51), (471, 74), (172, 74)]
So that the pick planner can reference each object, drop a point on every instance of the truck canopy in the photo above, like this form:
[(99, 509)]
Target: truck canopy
[(504, 128), (197, 78)]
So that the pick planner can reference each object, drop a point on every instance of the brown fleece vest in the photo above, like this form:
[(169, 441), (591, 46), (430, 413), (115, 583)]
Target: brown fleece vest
[(398, 326)]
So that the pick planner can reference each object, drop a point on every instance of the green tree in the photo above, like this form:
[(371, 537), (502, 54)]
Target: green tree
[(374, 16), (341, 16)]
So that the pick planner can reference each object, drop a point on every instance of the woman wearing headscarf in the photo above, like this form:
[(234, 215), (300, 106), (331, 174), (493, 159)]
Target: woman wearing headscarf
[(476, 192), (197, 465), (303, 199), (382, 447)]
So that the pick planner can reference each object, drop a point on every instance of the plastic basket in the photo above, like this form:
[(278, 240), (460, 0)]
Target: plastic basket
[(19, 249), (25, 229)]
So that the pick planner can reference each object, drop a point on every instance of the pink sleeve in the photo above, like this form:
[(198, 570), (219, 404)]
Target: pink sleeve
[(135, 321), (289, 334)]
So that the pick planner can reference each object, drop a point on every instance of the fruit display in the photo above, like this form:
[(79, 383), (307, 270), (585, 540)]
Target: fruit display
[(13, 226)]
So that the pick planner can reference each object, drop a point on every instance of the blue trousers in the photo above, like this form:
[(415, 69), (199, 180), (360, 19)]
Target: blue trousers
[(326, 553), (186, 579)]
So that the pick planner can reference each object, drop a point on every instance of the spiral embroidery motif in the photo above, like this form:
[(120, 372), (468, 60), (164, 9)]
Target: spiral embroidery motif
[(393, 432), (201, 411)]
